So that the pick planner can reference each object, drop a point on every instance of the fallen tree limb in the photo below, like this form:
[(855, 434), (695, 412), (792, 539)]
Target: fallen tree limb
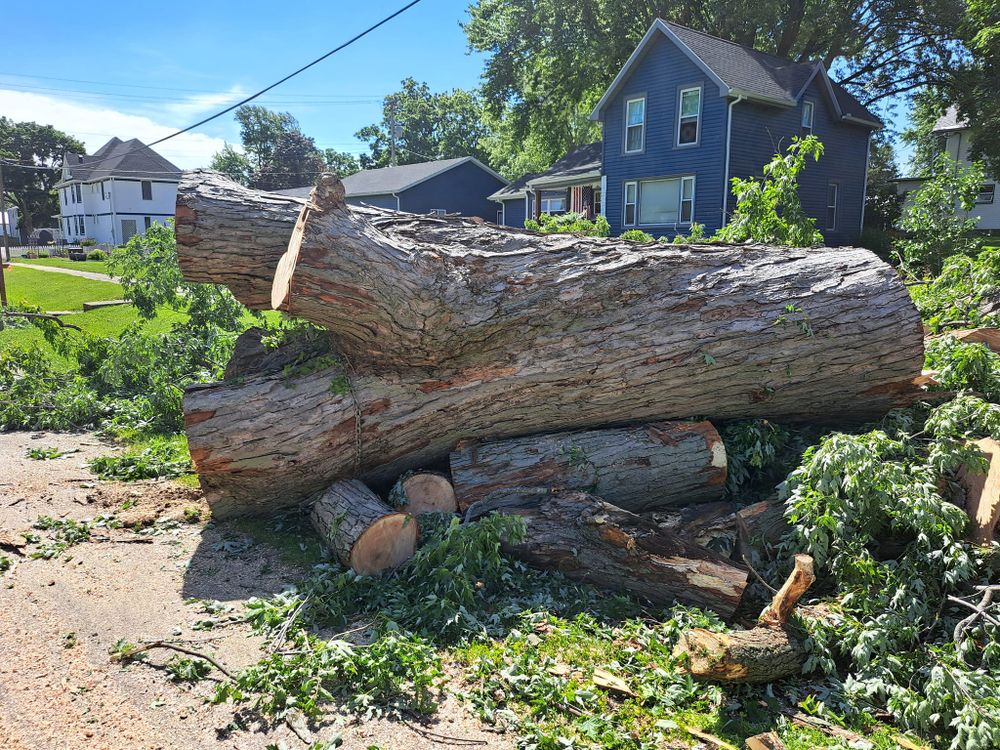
[(765, 653), (590, 540)]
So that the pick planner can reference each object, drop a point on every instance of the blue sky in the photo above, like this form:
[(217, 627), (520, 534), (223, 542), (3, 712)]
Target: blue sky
[(144, 69), (159, 67)]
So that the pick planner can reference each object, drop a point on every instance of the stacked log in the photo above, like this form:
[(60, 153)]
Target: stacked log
[(551, 369)]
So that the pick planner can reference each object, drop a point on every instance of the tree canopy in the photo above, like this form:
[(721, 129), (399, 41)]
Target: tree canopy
[(31, 190)]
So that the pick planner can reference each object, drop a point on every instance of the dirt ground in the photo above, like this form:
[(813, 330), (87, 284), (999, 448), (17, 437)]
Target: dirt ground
[(59, 617)]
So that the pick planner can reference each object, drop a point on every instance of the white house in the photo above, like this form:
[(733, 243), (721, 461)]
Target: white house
[(954, 135), (118, 191)]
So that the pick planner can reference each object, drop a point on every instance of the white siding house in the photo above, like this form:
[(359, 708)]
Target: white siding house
[(115, 193), (955, 140)]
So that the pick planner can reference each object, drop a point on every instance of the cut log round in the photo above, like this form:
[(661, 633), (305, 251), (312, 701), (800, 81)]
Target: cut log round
[(771, 651), (365, 533), (423, 492), (982, 494), (636, 468), (590, 540), (746, 324), (269, 440)]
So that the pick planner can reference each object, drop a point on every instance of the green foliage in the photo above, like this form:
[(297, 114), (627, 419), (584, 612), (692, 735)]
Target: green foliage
[(964, 366), (43, 454), (97, 255), (694, 235), (769, 210), (5, 563), (882, 200), (569, 222), (184, 669), (637, 235), (65, 533), (937, 219), (759, 454), (961, 294), (878, 241), (159, 457), (341, 163)]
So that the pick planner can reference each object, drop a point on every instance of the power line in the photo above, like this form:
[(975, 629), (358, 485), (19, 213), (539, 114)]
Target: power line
[(250, 98)]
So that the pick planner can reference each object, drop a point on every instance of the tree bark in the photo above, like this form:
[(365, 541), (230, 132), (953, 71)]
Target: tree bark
[(636, 468), (982, 494), (590, 540), (365, 533), (751, 323), (423, 492), (770, 651), (711, 525), (760, 525)]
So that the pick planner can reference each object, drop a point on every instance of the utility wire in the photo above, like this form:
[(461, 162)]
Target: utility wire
[(250, 98)]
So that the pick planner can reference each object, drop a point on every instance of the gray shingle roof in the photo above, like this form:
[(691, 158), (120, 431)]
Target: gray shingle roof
[(516, 189), (118, 158), (741, 70), (581, 162), (950, 120)]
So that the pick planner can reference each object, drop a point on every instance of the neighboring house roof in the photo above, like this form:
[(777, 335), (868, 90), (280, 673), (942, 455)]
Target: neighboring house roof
[(743, 71), (950, 120), (582, 163), (390, 180), (118, 158), (516, 189)]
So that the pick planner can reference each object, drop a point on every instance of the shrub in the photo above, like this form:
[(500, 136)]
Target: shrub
[(877, 240), (42, 254), (769, 210), (963, 294), (573, 223), (88, 242), (97, 255), (637, 235)]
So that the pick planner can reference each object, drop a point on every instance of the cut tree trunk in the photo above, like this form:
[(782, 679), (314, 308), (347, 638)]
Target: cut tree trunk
[(711, 525), (770, 651), (590, 540), (423, 492), (365, 533), (745, 324), (261, 441), (761, 525), (636, 468), (982, 494)]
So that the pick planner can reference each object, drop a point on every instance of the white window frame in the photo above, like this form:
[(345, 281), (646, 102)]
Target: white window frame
[(988, 189), (642, 125), (680, 100), (546, 204), (634, 184), (438, 212), (808, 123), (142, 189), (835, 205), (681, 200), (78, 194), (689, 179)]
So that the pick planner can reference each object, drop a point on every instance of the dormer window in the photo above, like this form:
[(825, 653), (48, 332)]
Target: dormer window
[(689, 117), (808, 110), (635, 125)]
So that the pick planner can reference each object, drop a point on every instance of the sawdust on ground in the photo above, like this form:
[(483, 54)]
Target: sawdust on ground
[(60, 617)]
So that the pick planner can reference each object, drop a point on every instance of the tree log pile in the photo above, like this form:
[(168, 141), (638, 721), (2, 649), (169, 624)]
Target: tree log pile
[(572, 381)]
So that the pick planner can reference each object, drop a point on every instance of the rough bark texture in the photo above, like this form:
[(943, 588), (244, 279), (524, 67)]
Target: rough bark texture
[(760, 525), (768, 652), (365, 533), (636, 468), (711, 525), (982, 494), (590, 540), (423, 492)]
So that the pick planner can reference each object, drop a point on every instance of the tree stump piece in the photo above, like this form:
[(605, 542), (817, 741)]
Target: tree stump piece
[(423, 492)]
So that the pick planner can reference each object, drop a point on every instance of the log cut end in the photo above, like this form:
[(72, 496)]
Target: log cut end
[(386, 544), (424, 492)]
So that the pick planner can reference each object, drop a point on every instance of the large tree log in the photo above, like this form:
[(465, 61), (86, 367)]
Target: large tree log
[(419, 492), (636, 468), (267, 440), (590, 540), (768, 652), (365, 533), (745, 322)]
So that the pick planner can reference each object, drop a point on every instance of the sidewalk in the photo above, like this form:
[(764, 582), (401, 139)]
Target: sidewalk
[(92, 275)]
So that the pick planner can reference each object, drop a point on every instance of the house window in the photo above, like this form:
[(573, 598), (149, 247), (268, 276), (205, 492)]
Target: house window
[(67, 225), (687, 199), (631, 192), (147, 190), (689, 117), (500, 217), (986, 194), (553, 202), (104, 196), (438, 212), (832, 196), (597, 201), (79, 195), (147, 222), (635, 125), (808, 110)]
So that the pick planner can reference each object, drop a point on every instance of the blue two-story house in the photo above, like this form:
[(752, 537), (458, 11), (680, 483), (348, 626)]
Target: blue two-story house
[(689, 111)]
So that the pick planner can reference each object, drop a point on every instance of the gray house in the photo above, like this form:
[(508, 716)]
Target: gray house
[(461, 186)]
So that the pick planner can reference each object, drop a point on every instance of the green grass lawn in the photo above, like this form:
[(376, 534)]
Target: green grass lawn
[(56, 291), (96, 266)]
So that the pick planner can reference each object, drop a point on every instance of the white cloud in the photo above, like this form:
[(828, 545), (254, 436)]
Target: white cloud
[(95, 124)]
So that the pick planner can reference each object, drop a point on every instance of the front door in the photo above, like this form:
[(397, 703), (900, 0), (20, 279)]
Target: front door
[(128, 229)]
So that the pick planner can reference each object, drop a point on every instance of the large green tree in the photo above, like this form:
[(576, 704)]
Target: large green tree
[(341, 163), (440, 125), (276, 153), (548, 61), (976, 84), (31, 190)]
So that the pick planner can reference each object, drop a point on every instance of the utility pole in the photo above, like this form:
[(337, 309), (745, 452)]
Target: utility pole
[(392, 133), (5, 249)]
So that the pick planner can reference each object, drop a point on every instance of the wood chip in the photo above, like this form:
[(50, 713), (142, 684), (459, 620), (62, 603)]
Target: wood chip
[(604, 679)]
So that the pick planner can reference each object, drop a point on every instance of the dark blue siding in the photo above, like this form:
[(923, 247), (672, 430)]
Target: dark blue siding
[(463, 189), (381, 201), (660, 75), (514, 212), (760, 131)]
